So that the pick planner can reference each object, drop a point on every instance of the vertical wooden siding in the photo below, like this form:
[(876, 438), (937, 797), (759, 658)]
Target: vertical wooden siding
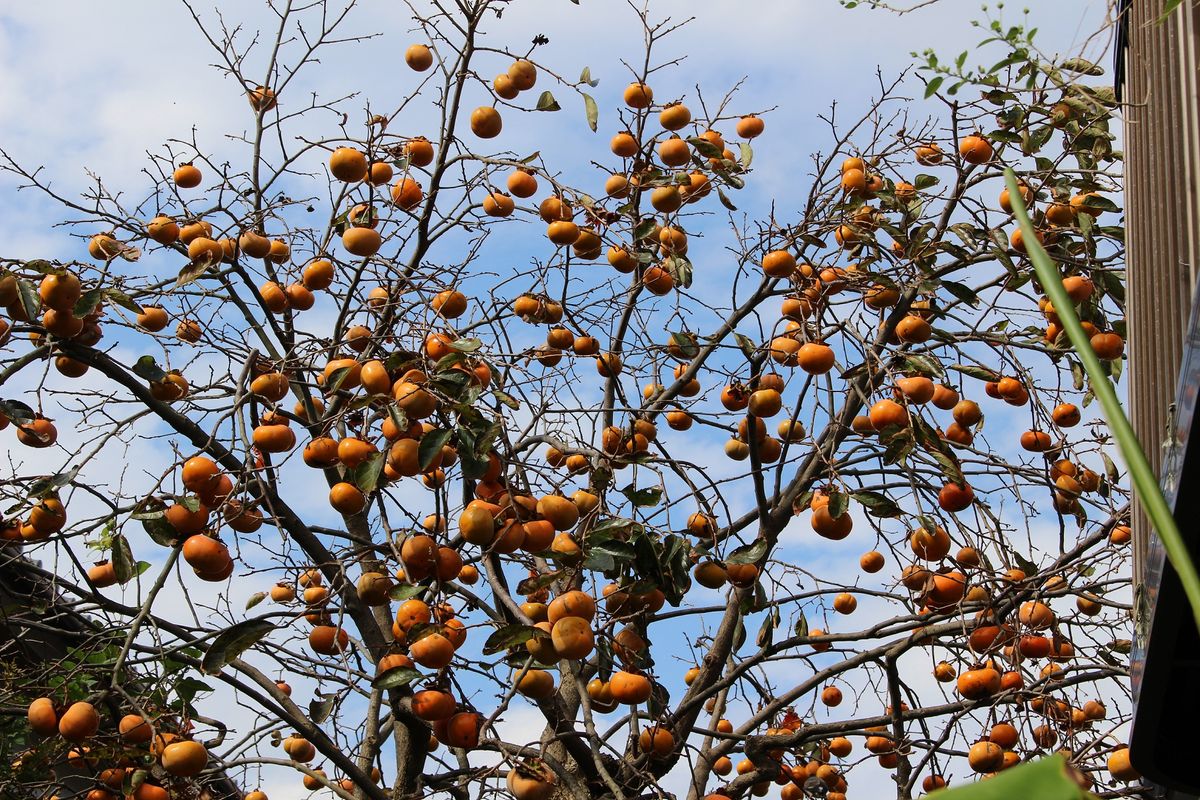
[(1162, 147)]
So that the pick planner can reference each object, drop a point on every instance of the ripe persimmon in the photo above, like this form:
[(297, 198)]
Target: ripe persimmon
[(954, 497), (186, 176), (887, 413), (656, 741), (328, 640), (975, 684), (531, 780), (572, 637), (184, 758), (419, 152), (379, 173), (913, 329), (536, 684), (871, 561), (348, 164), (985, 756), (930, 546), (361, 241), (486, 122), (504, 87), (929, 154), (346, 498), (829, 526), (638, 95), (750, 126), (975, 149), (521, 183), (629, 688), (43, 719), (462, 730), (79, 722), (418, 57), (1108, 346), (407, 193)]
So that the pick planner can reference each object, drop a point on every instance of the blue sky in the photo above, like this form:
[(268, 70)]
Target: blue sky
[(87, 86)]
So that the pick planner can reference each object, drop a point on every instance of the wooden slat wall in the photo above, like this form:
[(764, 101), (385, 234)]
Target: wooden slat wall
[(1162, 147)]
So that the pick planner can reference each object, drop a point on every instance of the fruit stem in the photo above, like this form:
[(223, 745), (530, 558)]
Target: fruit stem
[(1145, 484)]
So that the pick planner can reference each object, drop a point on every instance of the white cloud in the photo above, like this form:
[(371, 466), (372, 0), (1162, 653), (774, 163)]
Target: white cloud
[(97, 86)]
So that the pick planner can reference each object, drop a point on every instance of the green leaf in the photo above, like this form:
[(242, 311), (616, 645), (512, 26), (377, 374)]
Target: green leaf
[(979, 373), (509, 636), (1083, 66), (614, 549), (122, 558), (320, 707), (123, 300), (933, 85), (255, 599), (146, 367), (686, 344), (403, 591), (747, 154), (337, 378), (507, 399), (1110, 469), (17, 412), (188, 688), (599, 561), (680, 270), (1044, 779), (469, 345), (923, 181), (643, 497), (159, 530), (535, 582), (839, 504), (30, 301), (747, 346), (704, 147), (766, 631), (431, 445), (396, 677), (586, 77), (546, 102), (966, 232), (44, 267), (233, 642), (948, 466), (644, 228), (1168, 7), (876, 504), (610, 528), (924, 365), (194, 269), (1099, 203), (961, 291), (748, 553), (87, 302), (1024, 564), (366, 474), (724, 198), (43, 487), (447, 361), (592, 112)]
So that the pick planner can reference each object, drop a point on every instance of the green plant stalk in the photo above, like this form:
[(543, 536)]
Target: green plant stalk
[(1145, 484), (1046, 778)]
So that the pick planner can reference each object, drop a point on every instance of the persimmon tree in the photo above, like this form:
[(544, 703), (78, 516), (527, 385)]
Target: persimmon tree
[(708, 495)]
